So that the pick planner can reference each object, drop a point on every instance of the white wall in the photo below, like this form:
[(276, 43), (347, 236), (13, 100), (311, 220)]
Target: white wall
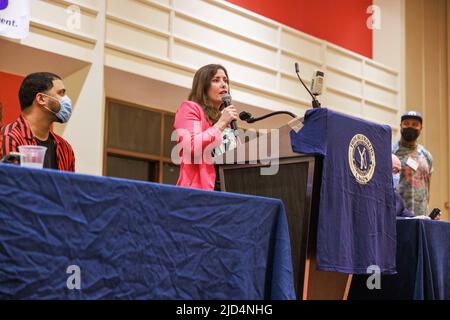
[(389, 41), (389, 44)]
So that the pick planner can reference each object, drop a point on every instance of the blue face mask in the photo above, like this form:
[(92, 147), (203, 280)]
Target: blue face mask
[(396, 179), (65, 110)]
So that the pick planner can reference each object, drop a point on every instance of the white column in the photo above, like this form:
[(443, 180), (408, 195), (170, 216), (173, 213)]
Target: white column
[(85, 130)]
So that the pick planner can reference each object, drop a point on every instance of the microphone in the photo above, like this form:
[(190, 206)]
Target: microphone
[(317, 83), (226, 99), (315, 102), (247, 116)]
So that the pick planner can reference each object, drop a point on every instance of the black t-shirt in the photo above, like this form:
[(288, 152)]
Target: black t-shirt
[(50, 155), (217, 182)]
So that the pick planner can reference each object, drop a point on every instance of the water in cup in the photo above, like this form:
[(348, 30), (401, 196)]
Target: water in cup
[(32, 156)]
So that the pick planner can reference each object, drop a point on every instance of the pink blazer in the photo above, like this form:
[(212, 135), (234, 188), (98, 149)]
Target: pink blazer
[(196, 138)]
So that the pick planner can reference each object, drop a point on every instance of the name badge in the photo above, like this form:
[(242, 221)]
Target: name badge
[(413, 164)]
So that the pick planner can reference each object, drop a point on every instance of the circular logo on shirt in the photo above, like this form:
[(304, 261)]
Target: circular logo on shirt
[(361, 157)]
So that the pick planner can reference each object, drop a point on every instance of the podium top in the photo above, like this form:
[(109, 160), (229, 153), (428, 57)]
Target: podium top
[(323, 127)]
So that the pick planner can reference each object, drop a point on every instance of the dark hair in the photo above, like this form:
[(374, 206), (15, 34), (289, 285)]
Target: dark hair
[(200, 87), (33, 84)]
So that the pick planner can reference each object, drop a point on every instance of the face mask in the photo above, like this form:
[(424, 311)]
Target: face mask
[(396, 179), (65, 110), (410, 134)]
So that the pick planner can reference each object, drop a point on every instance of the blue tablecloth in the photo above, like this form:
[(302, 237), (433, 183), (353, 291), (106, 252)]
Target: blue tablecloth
[(423, 264), (356, 227), (136, 240)]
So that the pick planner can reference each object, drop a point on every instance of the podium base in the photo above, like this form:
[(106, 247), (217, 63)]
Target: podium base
[(324, 285)]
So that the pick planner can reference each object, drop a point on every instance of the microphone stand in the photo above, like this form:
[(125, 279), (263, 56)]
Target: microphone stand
[(315, 102), (247, 117)]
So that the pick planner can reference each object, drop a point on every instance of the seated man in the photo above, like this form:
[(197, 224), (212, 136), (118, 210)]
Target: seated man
[(400, 209), (43, 101)]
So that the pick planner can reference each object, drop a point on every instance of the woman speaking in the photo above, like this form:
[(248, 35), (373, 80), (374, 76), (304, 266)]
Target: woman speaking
[(202, 124)]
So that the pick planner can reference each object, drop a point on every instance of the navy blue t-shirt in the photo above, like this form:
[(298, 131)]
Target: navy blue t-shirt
[(357, 210)]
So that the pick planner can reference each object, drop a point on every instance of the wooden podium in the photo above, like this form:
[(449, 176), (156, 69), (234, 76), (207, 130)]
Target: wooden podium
[(297, 184)]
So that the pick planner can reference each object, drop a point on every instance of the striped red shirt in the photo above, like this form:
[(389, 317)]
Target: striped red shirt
[(18, 133)]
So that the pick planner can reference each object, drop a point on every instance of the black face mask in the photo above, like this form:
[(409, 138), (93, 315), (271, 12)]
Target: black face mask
[(410, 134)]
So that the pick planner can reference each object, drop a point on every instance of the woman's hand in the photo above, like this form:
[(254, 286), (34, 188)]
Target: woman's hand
[(228, 114)]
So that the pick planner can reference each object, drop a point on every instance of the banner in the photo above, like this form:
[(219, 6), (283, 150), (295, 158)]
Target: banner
[(14, 18)]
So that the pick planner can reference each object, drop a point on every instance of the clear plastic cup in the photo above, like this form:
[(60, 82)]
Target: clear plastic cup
[(32, 156)]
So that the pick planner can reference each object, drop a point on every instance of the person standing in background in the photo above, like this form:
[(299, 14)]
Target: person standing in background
[(416, 165)]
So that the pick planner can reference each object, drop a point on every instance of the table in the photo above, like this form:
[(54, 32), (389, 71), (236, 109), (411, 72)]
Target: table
[(423, 264), (137, 240)]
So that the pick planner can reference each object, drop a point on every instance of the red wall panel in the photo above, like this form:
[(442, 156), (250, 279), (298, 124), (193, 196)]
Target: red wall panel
[(342, 22), (9, 96)]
